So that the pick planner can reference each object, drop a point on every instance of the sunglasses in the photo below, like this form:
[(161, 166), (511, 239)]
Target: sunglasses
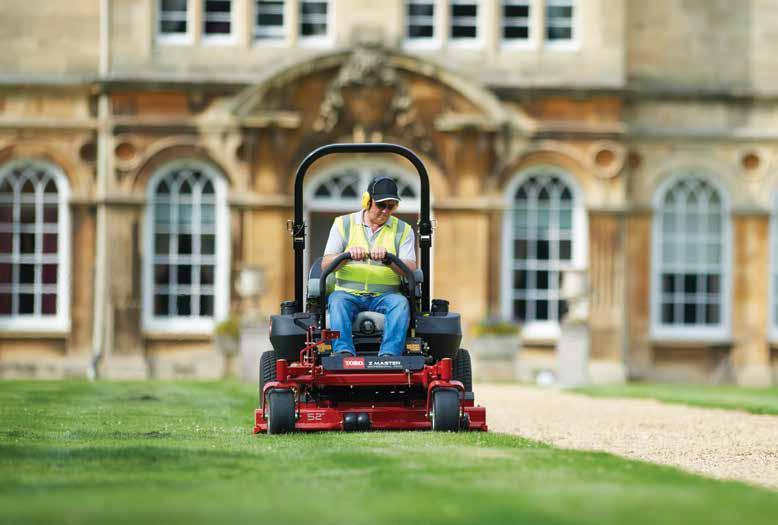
[(390, 205)]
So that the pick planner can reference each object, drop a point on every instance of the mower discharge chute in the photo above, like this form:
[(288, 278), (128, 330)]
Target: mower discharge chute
[(304, 387)]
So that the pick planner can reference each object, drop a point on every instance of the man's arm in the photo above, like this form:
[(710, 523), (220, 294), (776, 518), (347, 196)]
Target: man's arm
[(335, 245)]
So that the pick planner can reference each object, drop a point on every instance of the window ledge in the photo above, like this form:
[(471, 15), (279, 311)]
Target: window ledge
[(34, 334), (686, 344), (177, 336)]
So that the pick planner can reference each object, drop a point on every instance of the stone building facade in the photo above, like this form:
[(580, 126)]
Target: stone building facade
[(147, 153)]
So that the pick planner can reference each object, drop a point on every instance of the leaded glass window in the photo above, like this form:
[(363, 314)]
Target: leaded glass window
[(515, 20), (542, 244), (420, 19), (691, 246), (464, 19), (269, 19), (172, 17), (33, 244), (559, 20), (313, 18), (217, 18), (187, 217)]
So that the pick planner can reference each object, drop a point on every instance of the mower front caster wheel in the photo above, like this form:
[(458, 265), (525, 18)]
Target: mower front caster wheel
[(280, 411), (445, 410)]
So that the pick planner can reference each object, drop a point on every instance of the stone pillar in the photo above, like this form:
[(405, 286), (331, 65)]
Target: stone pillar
[(638, 354), (751, 280), (607, 322)]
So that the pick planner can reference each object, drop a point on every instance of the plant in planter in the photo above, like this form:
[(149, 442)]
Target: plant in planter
[(494, 345), (227, 335)]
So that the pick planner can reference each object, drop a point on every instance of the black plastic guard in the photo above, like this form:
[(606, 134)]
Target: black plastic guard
[(360, 363)]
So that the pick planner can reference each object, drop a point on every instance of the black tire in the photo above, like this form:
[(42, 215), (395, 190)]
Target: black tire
[(445, 410), (267, 371), (280, 411), (463, 370)]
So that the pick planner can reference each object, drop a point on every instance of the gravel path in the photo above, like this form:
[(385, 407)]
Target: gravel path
[(723, 444)]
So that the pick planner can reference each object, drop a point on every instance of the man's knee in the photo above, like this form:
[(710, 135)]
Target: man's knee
[(398, 303)]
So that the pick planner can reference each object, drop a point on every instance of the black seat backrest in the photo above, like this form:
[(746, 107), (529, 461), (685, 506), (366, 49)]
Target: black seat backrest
[(314, 272)]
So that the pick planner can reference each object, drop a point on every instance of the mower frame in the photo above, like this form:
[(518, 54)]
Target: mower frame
[(423, 394)]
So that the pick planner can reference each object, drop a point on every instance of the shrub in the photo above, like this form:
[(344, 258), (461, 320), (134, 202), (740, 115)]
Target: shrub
[(495, 326), (229, 327)]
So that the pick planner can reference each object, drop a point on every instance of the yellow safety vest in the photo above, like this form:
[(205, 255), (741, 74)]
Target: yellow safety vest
[(368, 276)]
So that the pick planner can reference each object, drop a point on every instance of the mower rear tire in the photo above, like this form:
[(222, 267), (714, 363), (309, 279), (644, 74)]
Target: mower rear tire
[(280, 411), (463, 369), (445, 410), (267, 372)]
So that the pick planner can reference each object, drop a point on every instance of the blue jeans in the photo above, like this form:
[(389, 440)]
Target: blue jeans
[(344, 307)]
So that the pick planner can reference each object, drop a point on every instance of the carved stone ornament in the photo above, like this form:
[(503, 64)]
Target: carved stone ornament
[(368, 79)]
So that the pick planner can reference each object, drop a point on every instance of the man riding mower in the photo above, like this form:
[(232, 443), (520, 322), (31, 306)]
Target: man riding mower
[(389, 361)]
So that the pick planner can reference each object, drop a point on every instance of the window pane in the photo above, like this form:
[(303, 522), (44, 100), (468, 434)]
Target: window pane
[(5, 304), (162, 213), (185, 214), (206, 274), (27, 213), (184, 274), (541, 310), (6, 213), (208, 214), (161, 305), (208, 244), (26, 303), (49, 274), (184, 305), (49, 243), (49, 304), (6, 273), (27, 243), (27, 273), (520, 309), (217, 28), (162, 244), (565, 250), (161, 274), (6, 242), (50, 213), (206, 305), (184, 244), (712, 314)]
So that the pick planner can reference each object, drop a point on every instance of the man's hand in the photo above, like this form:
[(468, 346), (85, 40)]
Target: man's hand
[(357, 253), (378, 254)]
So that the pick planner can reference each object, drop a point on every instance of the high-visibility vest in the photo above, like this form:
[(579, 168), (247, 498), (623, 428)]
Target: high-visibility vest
[(368, 275)]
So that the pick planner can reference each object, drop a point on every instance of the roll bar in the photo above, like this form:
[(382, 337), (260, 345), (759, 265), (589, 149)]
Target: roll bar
[(424, 225)]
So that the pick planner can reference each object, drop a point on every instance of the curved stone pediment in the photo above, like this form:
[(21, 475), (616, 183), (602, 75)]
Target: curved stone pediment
[(369, 93)]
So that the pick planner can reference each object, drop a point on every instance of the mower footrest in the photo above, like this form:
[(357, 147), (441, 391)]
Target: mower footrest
[(401, 363)]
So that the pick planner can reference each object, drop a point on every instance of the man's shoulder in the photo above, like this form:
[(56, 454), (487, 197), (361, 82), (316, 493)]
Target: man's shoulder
[(401, 224)]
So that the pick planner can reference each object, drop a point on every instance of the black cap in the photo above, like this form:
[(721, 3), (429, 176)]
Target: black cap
[(383, 189)]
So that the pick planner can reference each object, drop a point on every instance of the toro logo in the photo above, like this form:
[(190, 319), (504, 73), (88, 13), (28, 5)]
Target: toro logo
[(354, 362)]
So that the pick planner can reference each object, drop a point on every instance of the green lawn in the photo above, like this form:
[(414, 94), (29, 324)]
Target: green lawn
[(754, 400), (142, 453)]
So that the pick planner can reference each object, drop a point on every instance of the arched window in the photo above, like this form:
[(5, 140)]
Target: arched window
[(691, 247), (544, 235), (34, 247), (187, 242), (339, 191)]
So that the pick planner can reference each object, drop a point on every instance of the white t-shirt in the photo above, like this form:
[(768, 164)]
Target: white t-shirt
[(336, 244)]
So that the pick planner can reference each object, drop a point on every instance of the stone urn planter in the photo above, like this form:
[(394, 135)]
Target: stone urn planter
[(226, 341), (494, 348)]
